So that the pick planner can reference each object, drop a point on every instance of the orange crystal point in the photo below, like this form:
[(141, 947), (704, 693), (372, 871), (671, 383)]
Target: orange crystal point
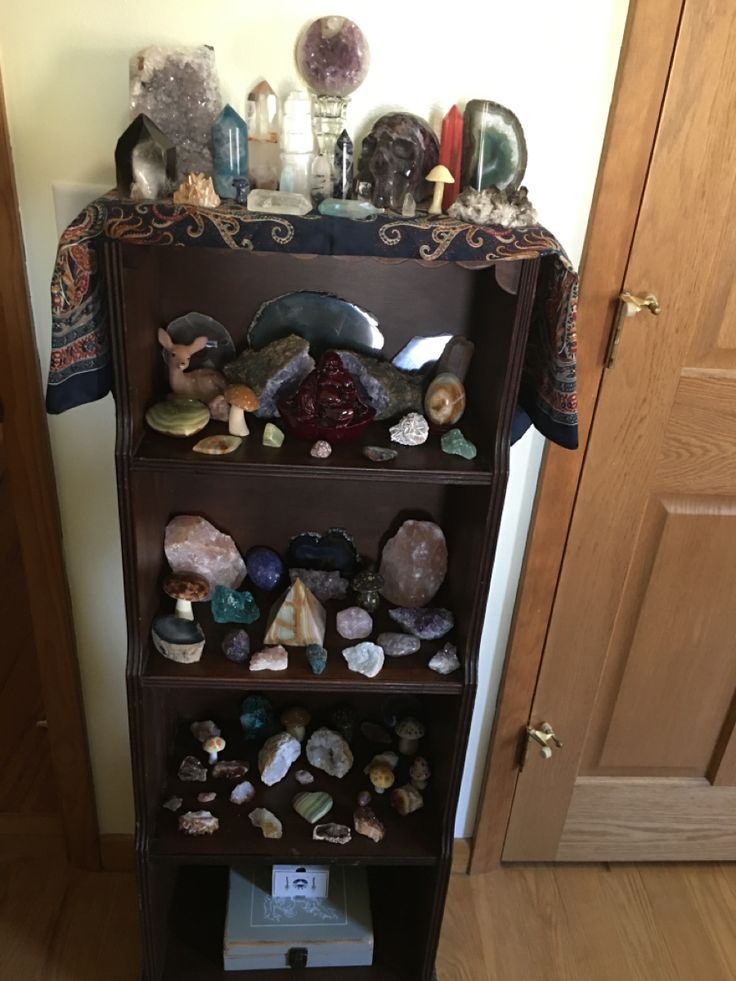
[(451, 151)]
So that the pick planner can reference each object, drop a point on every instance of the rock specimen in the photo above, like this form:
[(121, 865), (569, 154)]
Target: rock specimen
[(509, 208), (445, 661), (230, 770), (173, 804), (375, 733), (273, 372), (304, 777), (455, 444), (410, 430), (343, 166), (278, 202), (312, 805), (379, 454), (295, 721), (328, 751), (336, 834), (414, 564), (344, 718), (230, 150), (324, 584), (276, 756), (409, 731), (272, 436), (366, 823), (192, 544), (298, 620), (265, 567), (397, 154), (354, 623), (198, 823), (419, 772), (190, 769), (387, 389), (335, 550), (230, 606), (242, 793), (332, 56), (145, 161), (206, 798), (177, 87), (321, 450), (426, 624), (367, 586), (178, 417), (177, 639), (365, 658), (236, 646), (406, 799), (398, 645), (197, 189), (217, 445), (316, 658), (269, 824), (257, 717), (202, 731), (270, 659), (444, 401)]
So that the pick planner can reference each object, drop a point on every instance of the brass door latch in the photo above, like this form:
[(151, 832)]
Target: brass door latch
[(545, 737), (629, 305)]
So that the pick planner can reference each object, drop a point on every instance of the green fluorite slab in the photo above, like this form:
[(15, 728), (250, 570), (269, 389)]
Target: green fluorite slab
[(312, 805), (454, 443), (230, 606), (178, 417)]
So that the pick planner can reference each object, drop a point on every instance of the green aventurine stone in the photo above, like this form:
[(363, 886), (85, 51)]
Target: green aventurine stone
[(272, 435), (230, 606), (455, 443), (312, 806), (178, 417)]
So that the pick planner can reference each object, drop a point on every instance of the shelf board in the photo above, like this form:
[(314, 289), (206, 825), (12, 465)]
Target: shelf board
[(411, 840), (426, 463), (399, 674)]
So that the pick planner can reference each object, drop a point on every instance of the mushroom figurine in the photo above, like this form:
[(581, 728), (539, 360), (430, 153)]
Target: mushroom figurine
[(439, 176), (409, 731), (295, 720), (381, 776), (186, 588), (214, 746), (241, 399), (419, 772)]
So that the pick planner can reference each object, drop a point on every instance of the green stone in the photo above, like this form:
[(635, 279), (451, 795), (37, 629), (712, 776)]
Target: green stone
[(312, 805), (272, 435), (178, 417), (455, 443), (230, 606), (317, 658)]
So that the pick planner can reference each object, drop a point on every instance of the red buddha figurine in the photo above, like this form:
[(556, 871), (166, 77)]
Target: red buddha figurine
[(327, 405)]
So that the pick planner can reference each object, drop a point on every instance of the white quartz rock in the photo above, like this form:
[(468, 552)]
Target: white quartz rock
[(276, 756), (328, 751), (365, 658)]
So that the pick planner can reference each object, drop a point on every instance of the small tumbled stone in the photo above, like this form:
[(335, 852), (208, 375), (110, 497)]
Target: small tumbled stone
[(230, 606), (206, 798), (312, 805), (411, 430), (325, 584), (317, 658), (335, 834), (354, 623), (379, 454), (276, 756), (265, 567), (242, 793), (267, 821), (270, 659), (202, 731), (398, 645), (455, 444), (445, 661), (236, 646), (365, 658), (191, 770), (406, 799), (427, 624), (321, 449), (230, 770), (304, 777), (364, 798), (272, 435), (173, 803), (198, 823)]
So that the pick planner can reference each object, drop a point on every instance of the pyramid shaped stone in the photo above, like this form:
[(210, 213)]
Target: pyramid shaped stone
[(298, 619)]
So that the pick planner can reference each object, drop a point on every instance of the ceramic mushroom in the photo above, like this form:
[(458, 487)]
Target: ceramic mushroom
[(419, 772), (381, 776), (241, 399), (409, 731), (295, 720), (214, 746), (186, 588), (439, 176)]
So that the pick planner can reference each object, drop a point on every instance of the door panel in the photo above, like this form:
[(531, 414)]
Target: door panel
[(639, 674)]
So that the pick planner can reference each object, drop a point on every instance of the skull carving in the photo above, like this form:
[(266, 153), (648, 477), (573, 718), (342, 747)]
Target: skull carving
[(396, 156)]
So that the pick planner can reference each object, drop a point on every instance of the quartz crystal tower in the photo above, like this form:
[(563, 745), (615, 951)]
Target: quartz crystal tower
[(263, 137), (297, 143)]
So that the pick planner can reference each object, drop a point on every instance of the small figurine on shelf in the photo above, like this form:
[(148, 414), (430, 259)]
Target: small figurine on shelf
[(439, 176), (327, 404), (241, 399), (202, 384)]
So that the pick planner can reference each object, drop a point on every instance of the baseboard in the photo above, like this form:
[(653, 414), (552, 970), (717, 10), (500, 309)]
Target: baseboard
[(117, 854)]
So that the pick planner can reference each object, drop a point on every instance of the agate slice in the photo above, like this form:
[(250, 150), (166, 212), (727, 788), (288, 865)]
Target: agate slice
[(494, 148), (323, 319), (220, 349), (178, 417)]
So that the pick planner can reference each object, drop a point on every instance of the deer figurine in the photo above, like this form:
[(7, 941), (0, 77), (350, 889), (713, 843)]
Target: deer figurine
[(203, 384)]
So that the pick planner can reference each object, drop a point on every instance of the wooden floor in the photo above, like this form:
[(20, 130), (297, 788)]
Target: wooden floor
[(583, 923)]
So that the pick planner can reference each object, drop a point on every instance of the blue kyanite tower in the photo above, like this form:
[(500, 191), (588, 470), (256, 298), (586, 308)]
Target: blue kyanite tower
[(230, 151)]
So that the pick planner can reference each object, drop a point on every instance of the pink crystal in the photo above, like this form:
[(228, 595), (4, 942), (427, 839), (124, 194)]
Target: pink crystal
[(414, 564), (192, 544), (270, 659), (354, 623)]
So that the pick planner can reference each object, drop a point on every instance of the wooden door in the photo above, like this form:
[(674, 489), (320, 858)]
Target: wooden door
[(639, 669)]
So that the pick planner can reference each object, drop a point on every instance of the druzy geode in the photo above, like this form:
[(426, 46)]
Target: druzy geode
[(332, 56)]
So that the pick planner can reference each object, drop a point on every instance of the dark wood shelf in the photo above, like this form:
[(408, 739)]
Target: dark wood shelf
[(426, 463)]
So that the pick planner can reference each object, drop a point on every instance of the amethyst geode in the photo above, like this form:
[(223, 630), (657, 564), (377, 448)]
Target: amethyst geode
[(426, 624), (332, 55)]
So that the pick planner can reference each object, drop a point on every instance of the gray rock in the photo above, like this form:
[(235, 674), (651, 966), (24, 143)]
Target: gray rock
[(273, 372), (381, 385), (398, 645)]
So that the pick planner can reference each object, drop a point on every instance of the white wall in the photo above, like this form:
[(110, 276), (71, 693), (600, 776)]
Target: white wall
[(65, 68)]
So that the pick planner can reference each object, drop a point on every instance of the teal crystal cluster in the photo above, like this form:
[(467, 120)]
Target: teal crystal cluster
[(230, 606)]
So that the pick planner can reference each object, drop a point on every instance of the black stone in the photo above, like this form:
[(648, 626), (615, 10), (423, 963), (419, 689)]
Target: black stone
[(155, 143), (343, 165), (334, 550)]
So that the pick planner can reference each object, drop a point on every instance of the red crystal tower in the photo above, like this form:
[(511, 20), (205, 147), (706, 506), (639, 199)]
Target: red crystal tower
[(451, 150)]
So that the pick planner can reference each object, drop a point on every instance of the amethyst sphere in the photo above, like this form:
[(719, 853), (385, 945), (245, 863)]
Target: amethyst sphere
[(332, 55), (265, 567)]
